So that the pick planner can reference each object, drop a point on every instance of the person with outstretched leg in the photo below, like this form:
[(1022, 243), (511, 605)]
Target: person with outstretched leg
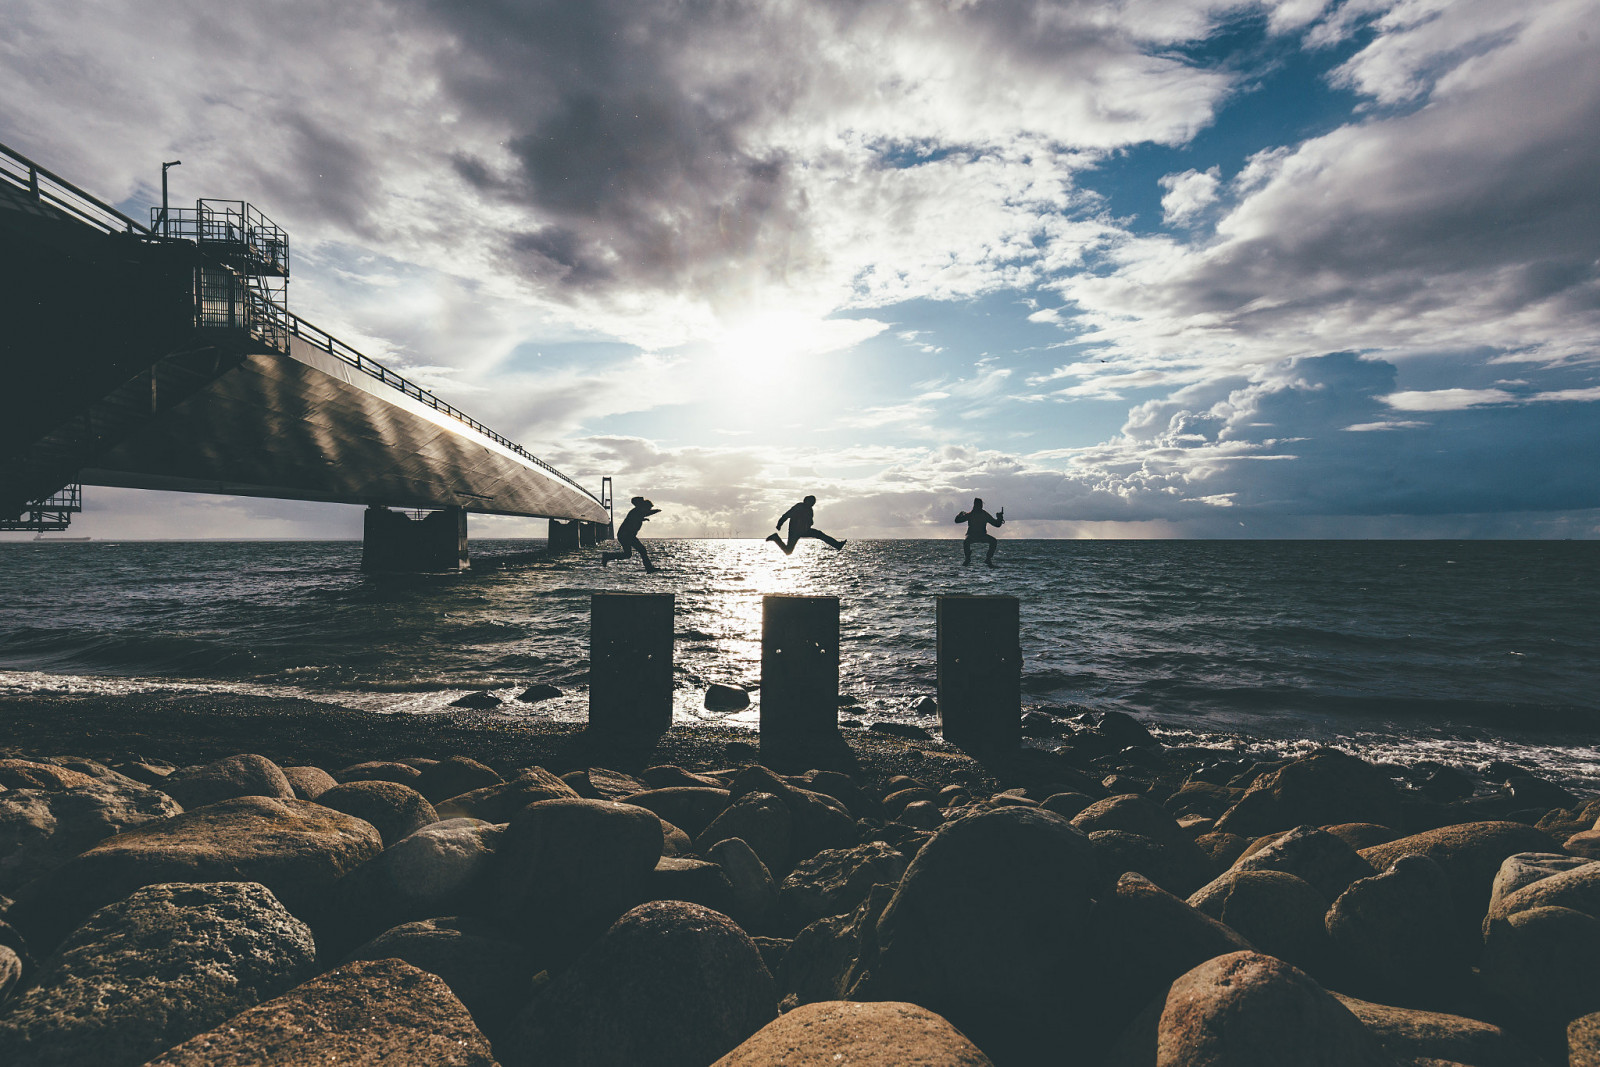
[(628, 533), (799, 519)]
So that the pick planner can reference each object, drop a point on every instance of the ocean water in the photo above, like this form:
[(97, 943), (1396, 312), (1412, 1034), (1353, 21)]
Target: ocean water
[(1403, 650)]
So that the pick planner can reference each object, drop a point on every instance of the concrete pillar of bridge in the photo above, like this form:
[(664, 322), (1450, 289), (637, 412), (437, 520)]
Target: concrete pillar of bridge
[(394, 542), (980, 672), (800, 683), (586, 534), (564, 536), (630, 667)]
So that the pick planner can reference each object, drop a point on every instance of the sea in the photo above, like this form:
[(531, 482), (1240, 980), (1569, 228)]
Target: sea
[(1457, 651)]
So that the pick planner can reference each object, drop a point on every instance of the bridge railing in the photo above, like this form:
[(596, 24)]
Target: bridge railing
[(23, 173)]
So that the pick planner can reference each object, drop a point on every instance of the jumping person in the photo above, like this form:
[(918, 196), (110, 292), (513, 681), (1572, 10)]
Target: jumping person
[(976, 520), (628, 533), (799, 520)]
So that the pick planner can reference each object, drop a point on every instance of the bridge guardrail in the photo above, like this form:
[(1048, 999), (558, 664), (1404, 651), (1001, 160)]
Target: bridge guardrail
[(20, 171)]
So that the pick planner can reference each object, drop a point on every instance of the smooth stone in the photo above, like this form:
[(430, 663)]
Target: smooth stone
[(671, 984), (1177, 869), (499, 802), (760, 820), (246, 775), (1583, 1041), (835, 881), (1360, 835), (396, 810), (452, 776), (1541, 962), (1202, 798), (29, 774), (295, 848), (696, 881), (1330, 787), (1395, 937), (309, 783), (10, 971), (691, 808), (371, 1013), (885, 1034), (537, 692), (755, 894), (600, 783), (1315, 855), (1124, 731), (1133, 814), (1526, 868), (379, 771), (42, 829), (1470, 853), (1280, 914), (1411, 1035), (154, 969), (482, 700), (724, 698), (818, 821)]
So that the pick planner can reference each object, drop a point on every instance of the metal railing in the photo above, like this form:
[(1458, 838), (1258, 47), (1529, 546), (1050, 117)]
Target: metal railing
[(53, 513), (230, 228), (23, 173)]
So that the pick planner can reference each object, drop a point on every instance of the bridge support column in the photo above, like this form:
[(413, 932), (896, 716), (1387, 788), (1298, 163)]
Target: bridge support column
[(586, 534), (630, 667), (392, 541), (564, 536), (980, 672)]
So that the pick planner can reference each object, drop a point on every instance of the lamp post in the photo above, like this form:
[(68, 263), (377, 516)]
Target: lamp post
[(164, 168)]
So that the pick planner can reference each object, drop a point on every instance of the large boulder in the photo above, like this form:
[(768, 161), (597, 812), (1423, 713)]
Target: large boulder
[(688, 807), (755, 894), (1540, 962), (566, 869), (602, 783), (1576, 887), (828, 958), (670, 984), (1133, 814), (396, 810), (246, 775), (1394, 937), (295, 848), (42, 829), (1434, 1037), (696, 881), (1524, 869), (760, 820), (1279, 913), (834, 881), (30, 774), (155, 969), (442, 869), (452, 776), (1315, 855), (1583, 1041), (406, 773), (983, 926), (491, 975), (886, 1034), (1179, 868), (1470, 853), (1248, 1010), (10, 971), (818, 820), (309, 783), (371, 1013), (497, 803), (1330, 787)]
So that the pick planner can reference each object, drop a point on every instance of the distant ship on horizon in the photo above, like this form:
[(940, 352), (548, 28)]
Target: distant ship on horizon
[(42, 537)]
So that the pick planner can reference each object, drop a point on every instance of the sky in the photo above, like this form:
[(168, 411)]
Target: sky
[(1171, 268)]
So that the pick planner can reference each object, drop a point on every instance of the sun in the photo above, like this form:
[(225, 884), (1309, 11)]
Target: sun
[(778, 354)]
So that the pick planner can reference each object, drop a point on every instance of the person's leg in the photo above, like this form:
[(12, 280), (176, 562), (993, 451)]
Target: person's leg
[(966, 551), (824, 538), (607, 557), (994, 543), (643, 555)]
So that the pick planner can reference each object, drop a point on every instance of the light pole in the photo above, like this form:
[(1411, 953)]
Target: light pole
[(164, 168)]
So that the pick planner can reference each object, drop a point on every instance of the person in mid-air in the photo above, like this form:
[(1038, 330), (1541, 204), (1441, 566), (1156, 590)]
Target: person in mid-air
[(628, 533), (799, 520), (976, 520)]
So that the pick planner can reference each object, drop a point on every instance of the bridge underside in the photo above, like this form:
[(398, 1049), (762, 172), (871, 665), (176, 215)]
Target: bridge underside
[(307, 426)]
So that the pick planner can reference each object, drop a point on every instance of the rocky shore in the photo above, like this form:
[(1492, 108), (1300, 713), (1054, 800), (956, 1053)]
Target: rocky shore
[(270, 883)]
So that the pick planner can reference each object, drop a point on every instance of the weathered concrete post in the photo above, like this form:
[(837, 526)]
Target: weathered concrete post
[(799, 679), (586, 537), (980, 672), (630, 666), (563, 537), (392, 541)]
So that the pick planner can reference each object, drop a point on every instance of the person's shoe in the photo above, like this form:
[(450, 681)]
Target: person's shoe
[(651, 569), (774, 538), (842, 544), (990, 562)]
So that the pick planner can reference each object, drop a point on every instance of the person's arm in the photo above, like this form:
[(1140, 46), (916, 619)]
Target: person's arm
[(652, 511), (1000, 519), (961, 516), (783, 519)]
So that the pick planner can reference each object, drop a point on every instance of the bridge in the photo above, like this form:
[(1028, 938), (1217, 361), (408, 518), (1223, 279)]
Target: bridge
[(164, 356)]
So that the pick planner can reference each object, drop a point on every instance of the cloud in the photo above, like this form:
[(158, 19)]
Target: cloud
[(1188, 194)]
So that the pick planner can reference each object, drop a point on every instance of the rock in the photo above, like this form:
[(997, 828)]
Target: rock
[(674, 842), (309, 783), (979, 926), (1360, 835), (761, 821), (1413, 1036), (1306, 852), (755, 895), (1564, 822), (818, 820), (1395, 938), (26, 774), (843, 788), (830, 958), (1134, 814), (246, 775), (696, 881), (498, 803), (566, 869), (896, 802), (670, 984), (1222, 849), (741, 752), (1066, 804), (365, 1014), (599, 783), (1577, 888), (1445, 784), (10, 971), (726, 698), (491, 976), (1202, 798), (886, 1034), (396, 810), (1585, 844), (482, 700), (1531, 791), (1248, 1010), (1329, 787), (1583, 1041), (442, 869), (688, 807), (835, 881), (923, 814), (452, 776), (1470, 853), (380, 771), (665, 775), (1124, 731), (910, 731), (295, 848), (1176, 869), (1525, 868), (923, 706), (40, 830), (1278, 913), (146, 771), (1541, 963), (537, 692), (154, 969)]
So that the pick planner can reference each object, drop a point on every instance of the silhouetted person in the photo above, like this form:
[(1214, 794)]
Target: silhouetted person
[(628, 533), (799, 520), (976, 520)]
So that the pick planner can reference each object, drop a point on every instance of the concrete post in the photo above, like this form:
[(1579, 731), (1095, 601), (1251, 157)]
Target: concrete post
[(630, 666), (586, 534), (799, 677), (980, 672), (392, 541), (564, 536)]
